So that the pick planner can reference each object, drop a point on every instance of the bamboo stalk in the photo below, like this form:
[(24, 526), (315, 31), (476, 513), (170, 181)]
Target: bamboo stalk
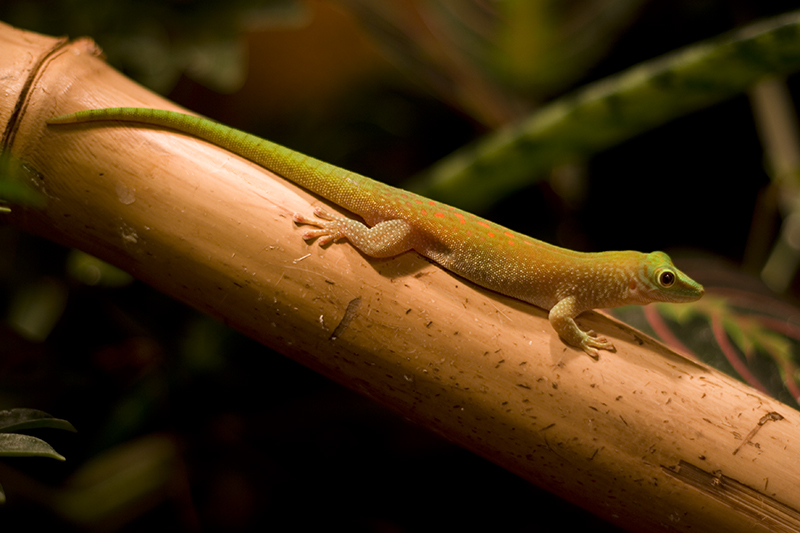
[(643, 437)]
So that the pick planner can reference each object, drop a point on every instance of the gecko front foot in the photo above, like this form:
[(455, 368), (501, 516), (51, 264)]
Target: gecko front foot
[(591, 343), (330, 226), (561, 317)]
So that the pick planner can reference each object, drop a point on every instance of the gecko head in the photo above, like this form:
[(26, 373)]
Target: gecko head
[(658, 280)]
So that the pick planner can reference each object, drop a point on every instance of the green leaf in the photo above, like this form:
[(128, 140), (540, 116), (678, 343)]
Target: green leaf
[(15, 177), (19, 419), (681, 313), (612, 110), (16, 445), (93, 271)]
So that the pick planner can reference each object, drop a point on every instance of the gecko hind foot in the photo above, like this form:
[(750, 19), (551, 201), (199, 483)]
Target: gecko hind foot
[(329, 227)]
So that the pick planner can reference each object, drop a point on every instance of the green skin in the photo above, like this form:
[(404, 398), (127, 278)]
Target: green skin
[(556, 279)]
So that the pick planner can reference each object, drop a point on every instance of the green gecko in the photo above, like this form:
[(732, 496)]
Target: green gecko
[(562, 281)]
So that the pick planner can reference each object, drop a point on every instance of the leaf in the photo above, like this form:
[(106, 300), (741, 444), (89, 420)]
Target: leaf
[(36, 307), (14, 183), (614, 109), (17, 193), (19, 419), (93, 271), (16, 445), (681, 313)]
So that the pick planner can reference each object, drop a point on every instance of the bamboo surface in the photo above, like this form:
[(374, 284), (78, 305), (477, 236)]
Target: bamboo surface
[(643, 437)]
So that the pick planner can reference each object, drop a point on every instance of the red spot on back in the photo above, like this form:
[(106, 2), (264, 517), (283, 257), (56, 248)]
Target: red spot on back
[(484, 224), (438, 215)]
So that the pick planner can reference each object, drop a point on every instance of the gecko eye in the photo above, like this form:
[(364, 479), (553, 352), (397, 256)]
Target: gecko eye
[(666, 278)]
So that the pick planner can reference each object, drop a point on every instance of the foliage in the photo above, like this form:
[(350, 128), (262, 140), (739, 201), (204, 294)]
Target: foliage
[(745, 333), (18, 445), (612, 110), (157, 41), (15, 184)]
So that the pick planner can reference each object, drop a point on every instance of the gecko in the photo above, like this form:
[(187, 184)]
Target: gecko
[(563, 282)]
